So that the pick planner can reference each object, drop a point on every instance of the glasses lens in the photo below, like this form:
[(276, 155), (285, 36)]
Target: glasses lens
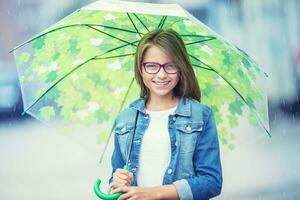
[(171, 68), (151, 67)]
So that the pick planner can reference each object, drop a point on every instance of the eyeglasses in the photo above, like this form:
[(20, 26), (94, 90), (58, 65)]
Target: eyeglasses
[(154, 67)]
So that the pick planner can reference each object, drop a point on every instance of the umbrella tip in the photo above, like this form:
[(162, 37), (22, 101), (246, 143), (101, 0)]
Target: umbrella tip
[(23, 113)]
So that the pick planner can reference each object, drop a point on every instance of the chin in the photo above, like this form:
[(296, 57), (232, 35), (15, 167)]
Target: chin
[(162, 93)]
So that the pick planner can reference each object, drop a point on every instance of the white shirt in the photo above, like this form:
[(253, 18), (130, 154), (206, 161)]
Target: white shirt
[(155, 151)]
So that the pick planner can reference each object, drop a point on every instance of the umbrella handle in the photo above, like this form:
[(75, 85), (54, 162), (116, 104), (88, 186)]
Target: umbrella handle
[(104, 196)]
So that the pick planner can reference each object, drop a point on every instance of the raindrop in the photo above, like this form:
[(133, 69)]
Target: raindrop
[(283, 102), (293, 118), (15, 109), (275, 118), (267, 75), (284, 132)]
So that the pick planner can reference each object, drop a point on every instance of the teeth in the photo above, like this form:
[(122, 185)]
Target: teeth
[(162, 83)]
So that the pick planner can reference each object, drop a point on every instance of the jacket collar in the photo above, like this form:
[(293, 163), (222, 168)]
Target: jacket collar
[(183, 108)]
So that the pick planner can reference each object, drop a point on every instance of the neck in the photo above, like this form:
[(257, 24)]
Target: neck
[(157, 103)]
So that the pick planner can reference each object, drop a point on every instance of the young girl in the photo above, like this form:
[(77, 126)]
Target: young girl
[(175, 150)]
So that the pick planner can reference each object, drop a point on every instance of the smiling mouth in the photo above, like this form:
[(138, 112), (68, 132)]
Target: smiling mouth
[(161, 83)]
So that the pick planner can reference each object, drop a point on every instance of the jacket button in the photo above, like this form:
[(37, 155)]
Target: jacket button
[(188, 128), (137, 141), (146, 116), (170, 171), (176, 143), (174, 118), (123, 130)]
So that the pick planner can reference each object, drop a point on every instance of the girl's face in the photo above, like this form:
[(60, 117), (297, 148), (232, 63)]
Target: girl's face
[(160, 84)]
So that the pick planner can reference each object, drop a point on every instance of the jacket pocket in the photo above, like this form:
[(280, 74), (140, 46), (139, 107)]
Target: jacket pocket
[(123, 132), (189, 132), (123, 128), (190, 127)]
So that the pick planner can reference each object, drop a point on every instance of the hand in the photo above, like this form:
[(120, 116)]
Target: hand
[(137, 193), (121, 177)]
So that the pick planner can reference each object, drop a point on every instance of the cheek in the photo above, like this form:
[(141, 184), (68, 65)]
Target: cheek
[(146, 78), (176, 79)]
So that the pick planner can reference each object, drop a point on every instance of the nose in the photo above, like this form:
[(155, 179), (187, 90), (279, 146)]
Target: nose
[(161, 73)]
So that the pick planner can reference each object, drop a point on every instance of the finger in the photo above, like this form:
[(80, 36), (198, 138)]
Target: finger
[(127, 178), (116, 184), (130, 176), (114, 191), (124, 196), (116, 178), (121, 181), (121, 176), (123, 189), (122, 171)]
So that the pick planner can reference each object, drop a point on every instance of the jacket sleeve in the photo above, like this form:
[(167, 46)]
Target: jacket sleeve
[(207, 182), (116, 159)]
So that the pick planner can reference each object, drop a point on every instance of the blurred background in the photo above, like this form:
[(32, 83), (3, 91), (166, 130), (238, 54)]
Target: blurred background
[(37, 163)]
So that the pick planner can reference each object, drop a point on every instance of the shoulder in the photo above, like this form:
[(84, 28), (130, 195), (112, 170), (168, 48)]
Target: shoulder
[(202, 112), (128, 112), (200, 108)]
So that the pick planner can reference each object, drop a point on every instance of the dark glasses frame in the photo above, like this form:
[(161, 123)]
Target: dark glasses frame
[(160, 66)]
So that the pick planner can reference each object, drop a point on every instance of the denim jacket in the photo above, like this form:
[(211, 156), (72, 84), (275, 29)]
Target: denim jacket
[(195, 166)]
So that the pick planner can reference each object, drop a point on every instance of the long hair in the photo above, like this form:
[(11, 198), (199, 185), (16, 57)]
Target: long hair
[(172, 44)]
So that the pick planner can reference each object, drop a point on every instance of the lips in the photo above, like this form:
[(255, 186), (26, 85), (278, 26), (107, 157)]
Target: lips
[(161, 83)]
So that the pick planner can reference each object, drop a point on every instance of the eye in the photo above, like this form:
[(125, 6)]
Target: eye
[(171, 65), (151, 65)]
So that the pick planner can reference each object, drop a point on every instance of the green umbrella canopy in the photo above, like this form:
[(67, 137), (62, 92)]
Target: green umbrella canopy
[(80, 70)]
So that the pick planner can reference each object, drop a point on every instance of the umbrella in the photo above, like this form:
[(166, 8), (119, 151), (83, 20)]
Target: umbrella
[(80, 70)]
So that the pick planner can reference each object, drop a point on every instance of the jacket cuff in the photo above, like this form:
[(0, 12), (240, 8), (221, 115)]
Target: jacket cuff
[(183, 189)]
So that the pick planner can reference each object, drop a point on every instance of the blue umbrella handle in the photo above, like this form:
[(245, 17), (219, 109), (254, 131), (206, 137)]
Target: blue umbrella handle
[(104, 196)]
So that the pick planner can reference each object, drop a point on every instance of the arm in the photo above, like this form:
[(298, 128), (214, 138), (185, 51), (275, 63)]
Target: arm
[(116, 159), (207, 182), (165, 192)]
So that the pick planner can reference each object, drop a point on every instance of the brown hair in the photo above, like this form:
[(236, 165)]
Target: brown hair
[(172, 44)]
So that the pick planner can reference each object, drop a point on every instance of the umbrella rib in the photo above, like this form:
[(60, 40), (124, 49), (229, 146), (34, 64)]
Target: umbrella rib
[(121, 108), (200, 41), (70, 72), (241, 96), (199, 66), (118, 56), (134, 25), (202, 36), (164, 22), (176, 22), (111, 35), (58, 81), (69, 26), (161, 23), (141, 22), (118, 48)]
